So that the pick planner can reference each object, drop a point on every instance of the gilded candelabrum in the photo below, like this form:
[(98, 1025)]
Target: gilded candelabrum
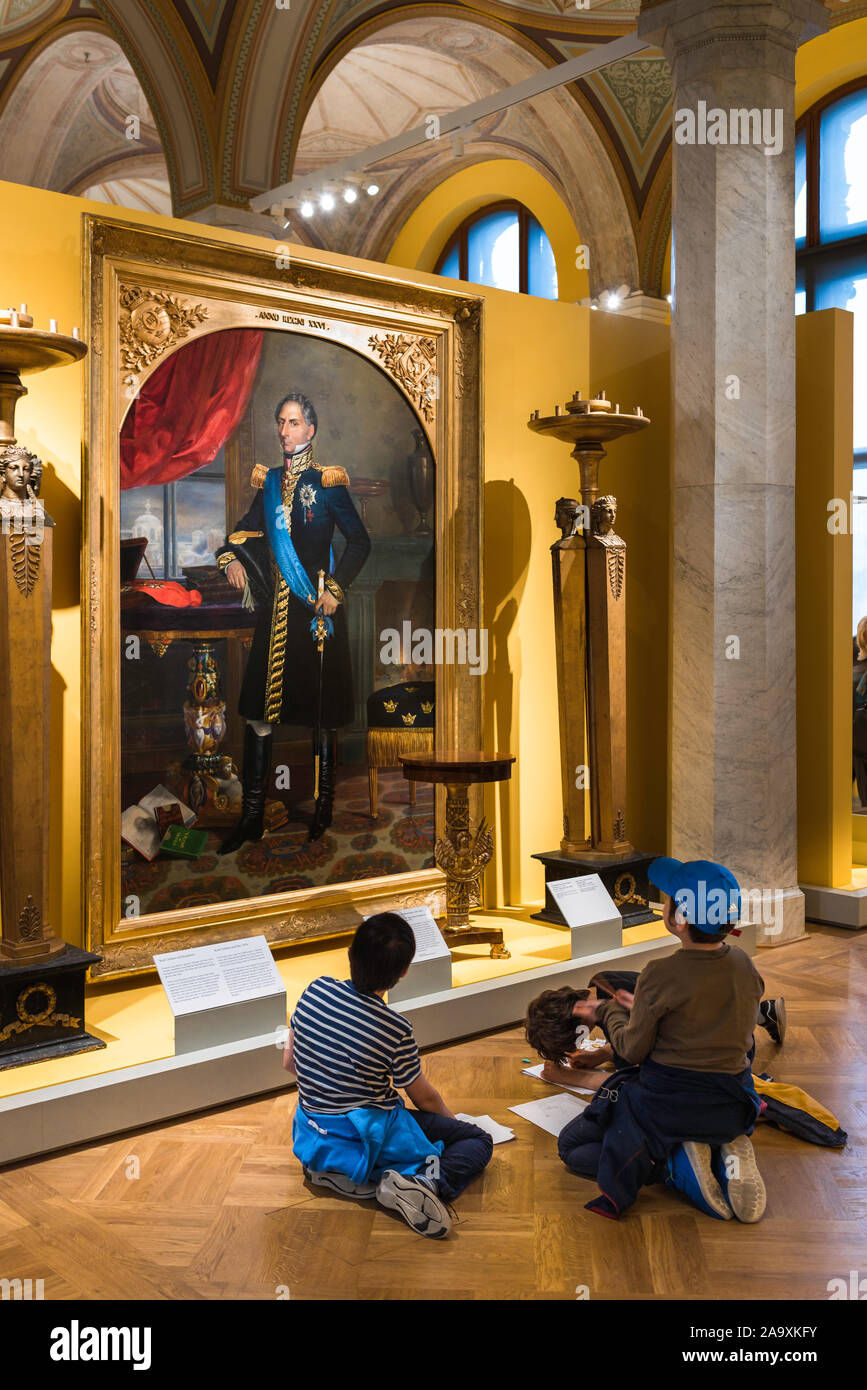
[(25, 645), (41, 977), (589, 571)]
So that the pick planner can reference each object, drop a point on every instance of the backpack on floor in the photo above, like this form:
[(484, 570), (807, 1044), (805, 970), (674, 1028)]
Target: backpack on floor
[(789, 1108)]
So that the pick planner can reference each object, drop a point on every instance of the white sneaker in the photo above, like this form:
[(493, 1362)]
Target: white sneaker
[(415, 1200), (741, 1180), (339, 1182)]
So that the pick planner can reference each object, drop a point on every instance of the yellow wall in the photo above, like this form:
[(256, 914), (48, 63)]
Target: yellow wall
[(830, 61), (629, 360), (423, 237), (824, 599), (537, 353)]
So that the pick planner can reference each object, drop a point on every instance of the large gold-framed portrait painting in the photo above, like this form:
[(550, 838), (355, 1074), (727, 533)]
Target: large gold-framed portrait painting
[(282, 501)]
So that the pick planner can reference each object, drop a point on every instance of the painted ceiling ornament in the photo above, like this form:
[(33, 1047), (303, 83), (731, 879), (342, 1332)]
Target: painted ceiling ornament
[(411, 360), (642, 86), (152, 321)]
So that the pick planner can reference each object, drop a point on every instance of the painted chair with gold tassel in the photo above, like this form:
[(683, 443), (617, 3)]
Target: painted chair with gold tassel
[(400, 719)]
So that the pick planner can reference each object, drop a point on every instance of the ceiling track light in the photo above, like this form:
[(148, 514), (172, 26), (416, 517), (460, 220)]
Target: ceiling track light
[(326, 200), (465, 117)]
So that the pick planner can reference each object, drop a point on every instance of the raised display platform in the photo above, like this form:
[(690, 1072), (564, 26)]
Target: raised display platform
[(136, 1081), (838, 907)]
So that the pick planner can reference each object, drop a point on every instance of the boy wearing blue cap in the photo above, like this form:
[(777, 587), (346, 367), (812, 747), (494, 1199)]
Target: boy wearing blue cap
[(684, 1111)]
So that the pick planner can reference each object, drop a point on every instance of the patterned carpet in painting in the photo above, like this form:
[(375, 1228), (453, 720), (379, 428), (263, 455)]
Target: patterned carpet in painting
[(400, 839)]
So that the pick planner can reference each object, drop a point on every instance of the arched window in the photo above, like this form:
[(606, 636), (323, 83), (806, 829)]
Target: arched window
[(502, 245), (831, 241)]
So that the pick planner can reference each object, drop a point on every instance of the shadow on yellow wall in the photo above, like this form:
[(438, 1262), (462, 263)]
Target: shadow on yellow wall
[(508, 534)]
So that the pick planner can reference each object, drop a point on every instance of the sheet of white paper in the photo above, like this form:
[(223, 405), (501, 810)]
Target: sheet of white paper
[(500, 1134), (207, 977), (552, 1113), (583, 900), (139, 829), (536, 1072), (429, 943)]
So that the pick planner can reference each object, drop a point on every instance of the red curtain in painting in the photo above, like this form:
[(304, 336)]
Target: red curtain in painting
[(187, 410)]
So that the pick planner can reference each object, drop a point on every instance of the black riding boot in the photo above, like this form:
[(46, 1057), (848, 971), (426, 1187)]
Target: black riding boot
[(325, 801), (257, 763)]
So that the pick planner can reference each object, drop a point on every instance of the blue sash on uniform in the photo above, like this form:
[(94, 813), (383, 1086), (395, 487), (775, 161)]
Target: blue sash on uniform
[(284, 551)]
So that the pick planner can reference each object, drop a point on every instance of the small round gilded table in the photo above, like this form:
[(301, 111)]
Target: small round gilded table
[(461, 855)]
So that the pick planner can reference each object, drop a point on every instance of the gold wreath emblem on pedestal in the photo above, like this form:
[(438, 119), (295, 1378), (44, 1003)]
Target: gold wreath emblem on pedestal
[(28, 1019), (624, 889), (44, 1014)]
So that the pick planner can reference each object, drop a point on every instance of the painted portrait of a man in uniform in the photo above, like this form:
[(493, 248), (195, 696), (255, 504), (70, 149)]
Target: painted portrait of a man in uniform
[(281, 555)]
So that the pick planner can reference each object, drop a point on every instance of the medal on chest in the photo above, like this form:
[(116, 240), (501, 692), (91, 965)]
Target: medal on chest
[(308, 498)]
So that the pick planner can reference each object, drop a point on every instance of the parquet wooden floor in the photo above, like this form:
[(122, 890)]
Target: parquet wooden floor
[(215, 1207)]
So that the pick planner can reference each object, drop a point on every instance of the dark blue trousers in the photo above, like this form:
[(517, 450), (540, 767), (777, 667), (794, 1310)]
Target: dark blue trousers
[(466, 1153), (625, 1134)]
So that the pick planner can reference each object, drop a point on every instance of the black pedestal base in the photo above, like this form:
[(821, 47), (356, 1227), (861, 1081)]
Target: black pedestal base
[(625, 878), (42, 1009)]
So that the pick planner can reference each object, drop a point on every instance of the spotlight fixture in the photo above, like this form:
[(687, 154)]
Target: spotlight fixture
[(670, 298), (614, 301), (307, 208), (349, 195), (326, 202), (373, 188)]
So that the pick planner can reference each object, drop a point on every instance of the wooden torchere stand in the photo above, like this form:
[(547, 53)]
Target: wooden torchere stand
[(589, 573), (41, 977), (461, 855)]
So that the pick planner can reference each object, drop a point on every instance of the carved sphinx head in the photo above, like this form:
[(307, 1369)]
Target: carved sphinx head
[(566, 511), (603, 515), (20, 473)]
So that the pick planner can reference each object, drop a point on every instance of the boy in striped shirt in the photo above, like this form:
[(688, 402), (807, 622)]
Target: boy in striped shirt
[(350, 1052)]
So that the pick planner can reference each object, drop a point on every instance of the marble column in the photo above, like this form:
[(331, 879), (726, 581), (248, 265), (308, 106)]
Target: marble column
[(733, 748)]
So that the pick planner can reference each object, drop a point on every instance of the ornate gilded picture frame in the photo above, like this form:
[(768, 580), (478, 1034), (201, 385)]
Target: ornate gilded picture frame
[(150, 294)]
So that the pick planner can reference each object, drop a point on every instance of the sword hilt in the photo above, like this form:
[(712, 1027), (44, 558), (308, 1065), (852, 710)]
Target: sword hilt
[(320, 644)]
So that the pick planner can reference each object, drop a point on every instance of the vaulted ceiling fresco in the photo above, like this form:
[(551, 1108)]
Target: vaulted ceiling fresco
[(76, 119), (235, 97)]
